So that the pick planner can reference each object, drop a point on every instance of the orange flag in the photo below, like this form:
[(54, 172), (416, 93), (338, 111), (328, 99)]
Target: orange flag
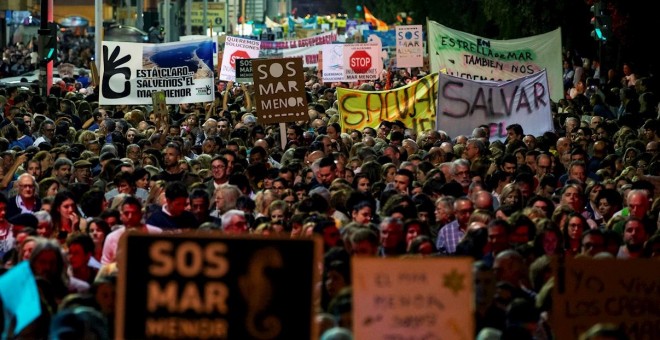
[(380, 25)]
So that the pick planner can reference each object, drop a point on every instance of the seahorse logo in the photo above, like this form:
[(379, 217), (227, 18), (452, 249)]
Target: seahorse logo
[(257, 290)]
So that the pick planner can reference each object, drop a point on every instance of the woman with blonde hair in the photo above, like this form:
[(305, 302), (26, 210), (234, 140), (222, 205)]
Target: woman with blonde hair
[(511, 195), (86, 136), (262, 201), (225, 197)]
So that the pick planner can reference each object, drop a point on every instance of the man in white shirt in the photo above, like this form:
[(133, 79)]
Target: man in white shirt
[(131, 217)]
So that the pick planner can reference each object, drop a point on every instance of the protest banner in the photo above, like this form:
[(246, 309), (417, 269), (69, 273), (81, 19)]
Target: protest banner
[(413, 298), (280, 90), (236, 48), (130, 72), (413, 104), (473, 57), (317, 40), (309, 55), (209, 286), (464, 104), (409, 46), (622, 292)]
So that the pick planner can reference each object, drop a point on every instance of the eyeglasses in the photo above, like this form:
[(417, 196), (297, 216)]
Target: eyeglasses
[(26, 186)]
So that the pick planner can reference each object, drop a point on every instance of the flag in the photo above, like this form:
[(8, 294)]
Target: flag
[(380, 25)]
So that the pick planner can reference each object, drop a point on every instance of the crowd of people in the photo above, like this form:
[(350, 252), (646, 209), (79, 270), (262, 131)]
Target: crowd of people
[(76, 176)]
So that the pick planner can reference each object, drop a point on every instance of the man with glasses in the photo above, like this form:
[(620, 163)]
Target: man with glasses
[(452, 233), (26, 201), (47, 132), (82, 172), (460, 172), (219, 175)]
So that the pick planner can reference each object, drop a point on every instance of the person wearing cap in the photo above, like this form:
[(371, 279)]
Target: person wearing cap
[(22, 221), (26, 201), (82, 171)]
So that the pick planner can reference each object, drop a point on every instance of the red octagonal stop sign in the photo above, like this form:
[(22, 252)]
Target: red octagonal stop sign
[(240, 54), (360, 61)]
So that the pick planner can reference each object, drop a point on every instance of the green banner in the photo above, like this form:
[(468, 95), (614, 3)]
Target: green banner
[(472, 57)]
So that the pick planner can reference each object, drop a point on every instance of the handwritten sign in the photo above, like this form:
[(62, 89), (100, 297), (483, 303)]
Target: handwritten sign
[(203, 286), (413, 104), (464, 104), (473, 57), (623, 292), (280, 90), (158, 100), (411, 298)]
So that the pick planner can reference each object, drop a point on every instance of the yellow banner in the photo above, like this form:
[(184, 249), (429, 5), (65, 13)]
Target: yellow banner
[(413, 104)]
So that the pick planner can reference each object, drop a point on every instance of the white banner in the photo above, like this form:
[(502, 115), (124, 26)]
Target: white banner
[(130, 72), (317, 40), (237, 48), (409, 46), (464, 104), (309, 55)]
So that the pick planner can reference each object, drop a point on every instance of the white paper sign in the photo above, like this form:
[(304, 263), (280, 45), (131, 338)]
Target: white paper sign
[(237, 48), (409, 46)]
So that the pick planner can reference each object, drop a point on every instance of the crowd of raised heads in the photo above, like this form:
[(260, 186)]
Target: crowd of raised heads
[(76, 175)]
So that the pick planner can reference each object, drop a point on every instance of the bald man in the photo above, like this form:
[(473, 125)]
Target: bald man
[(563, 145)]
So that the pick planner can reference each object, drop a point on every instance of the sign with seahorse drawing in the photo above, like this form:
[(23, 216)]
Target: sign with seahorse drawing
[(200, 286)]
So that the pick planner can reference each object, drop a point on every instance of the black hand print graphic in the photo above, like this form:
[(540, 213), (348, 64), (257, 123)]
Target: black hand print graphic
[(110, 68)]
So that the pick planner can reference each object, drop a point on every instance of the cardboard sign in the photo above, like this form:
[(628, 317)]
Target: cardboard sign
[(280, 90), (622, 292), (202, 286), (158, 100), (244, 70), (413, 298)]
